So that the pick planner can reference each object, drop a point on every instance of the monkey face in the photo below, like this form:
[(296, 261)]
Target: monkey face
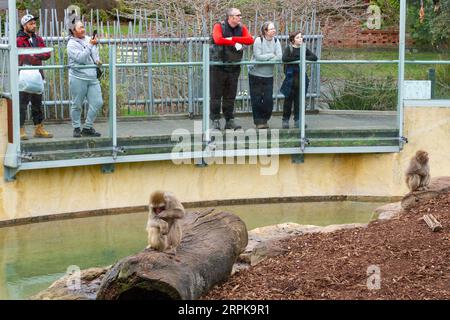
[(422, 156), (159, 209)]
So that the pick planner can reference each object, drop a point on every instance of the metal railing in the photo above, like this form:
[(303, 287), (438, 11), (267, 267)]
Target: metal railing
[(153, 37), (200, 102)]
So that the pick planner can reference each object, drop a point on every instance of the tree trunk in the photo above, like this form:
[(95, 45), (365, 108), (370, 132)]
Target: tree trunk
[(210, 246)]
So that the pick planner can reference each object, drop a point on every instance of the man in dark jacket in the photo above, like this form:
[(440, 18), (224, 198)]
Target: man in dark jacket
[(26, 37), (228, 38)]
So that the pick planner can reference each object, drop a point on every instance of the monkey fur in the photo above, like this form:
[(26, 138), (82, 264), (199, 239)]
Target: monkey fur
[(164, 230), (418, 172)]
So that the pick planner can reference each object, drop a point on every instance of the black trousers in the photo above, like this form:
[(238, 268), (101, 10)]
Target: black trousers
[(223, 83), (295, 98), (36, 107), (261, 92)]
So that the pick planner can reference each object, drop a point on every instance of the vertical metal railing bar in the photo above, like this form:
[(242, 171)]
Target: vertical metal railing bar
[(401, 68), (126, 72), (311, 47), (206, 91), (198, 57), (142, 20), (317, 76), (184, 71), (302, 88), (13, 149), (134, 55), (53, 61), (171, 76), (61, 61), (150, 70), (113, 96)]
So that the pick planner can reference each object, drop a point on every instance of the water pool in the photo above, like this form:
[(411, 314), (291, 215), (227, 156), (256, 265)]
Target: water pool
[(35, 255)]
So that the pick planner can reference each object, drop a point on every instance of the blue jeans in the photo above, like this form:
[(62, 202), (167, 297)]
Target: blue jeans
[(79, 91), (261, 95)]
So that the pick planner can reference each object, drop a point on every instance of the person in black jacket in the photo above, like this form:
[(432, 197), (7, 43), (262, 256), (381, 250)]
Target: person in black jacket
[(290, 86)]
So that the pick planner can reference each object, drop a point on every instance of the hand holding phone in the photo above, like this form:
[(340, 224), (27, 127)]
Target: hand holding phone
[(94, 39)]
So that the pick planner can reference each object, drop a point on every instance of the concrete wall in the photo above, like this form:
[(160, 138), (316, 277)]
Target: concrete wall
[(54, 191)]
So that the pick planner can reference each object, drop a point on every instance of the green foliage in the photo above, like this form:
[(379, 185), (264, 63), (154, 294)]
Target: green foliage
[(434, 31), (363, 92), (32, 5), (390, 10), (442, 90)]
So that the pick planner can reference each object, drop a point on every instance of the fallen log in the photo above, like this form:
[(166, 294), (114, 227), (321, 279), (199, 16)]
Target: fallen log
[(211, 243), (432, 222)]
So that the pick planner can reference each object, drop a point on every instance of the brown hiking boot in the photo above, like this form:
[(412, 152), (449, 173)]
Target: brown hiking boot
[(40, 132), (23, 134)]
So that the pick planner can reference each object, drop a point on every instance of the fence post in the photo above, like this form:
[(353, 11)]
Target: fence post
[(112, 96), (150, 75), (206, 88), (13, 150), (432, 78), (302, 93), (190, 78)]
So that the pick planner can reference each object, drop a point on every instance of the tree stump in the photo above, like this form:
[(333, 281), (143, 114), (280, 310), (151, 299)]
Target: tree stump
[(210, 246)]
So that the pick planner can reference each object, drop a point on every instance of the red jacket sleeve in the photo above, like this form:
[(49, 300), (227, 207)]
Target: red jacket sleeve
[(218, 36), (43, 56), (246, 37)]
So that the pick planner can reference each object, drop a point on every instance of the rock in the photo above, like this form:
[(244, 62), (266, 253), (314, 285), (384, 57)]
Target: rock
[(239, 266), (388, 211), (438, 186), (89, 285), (263, 250)]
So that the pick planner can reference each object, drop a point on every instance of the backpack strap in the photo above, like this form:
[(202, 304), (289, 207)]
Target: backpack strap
[(276, 39)]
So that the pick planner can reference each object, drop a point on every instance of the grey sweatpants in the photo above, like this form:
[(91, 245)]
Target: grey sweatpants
[(80, 90)]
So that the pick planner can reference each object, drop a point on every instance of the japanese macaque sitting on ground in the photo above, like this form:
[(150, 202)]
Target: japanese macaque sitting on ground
[(164, 230), (418, 173)]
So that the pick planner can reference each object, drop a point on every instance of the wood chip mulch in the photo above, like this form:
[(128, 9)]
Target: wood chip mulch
[(413, 262)]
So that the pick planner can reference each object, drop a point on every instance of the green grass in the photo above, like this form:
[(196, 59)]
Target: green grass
[(383, 71), (413, 71)]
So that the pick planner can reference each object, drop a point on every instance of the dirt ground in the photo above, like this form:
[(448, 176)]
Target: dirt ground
[(413, 262)]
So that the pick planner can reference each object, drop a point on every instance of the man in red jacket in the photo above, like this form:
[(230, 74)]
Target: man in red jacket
[(26, 37), (228, 37)]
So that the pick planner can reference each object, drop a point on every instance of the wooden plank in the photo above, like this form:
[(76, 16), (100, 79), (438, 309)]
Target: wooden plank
[(432, 222)]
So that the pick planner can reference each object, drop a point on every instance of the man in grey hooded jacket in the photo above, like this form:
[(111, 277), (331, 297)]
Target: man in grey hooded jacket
[(83, 82)]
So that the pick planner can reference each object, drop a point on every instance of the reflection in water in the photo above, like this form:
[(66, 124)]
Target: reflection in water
[(33, 256)]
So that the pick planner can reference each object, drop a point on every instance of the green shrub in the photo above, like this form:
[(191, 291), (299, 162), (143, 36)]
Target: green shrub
[(362, 93), (434, 31), (442, 89)]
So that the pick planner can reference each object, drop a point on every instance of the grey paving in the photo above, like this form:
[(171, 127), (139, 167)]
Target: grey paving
[(166, 126)]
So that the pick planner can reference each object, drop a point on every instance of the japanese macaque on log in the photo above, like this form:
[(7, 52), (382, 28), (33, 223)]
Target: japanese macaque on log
[(211, 243), (418, 173), (164, 231)]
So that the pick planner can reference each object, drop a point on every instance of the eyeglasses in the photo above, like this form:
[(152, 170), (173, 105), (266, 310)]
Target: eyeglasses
[(237, 15)]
